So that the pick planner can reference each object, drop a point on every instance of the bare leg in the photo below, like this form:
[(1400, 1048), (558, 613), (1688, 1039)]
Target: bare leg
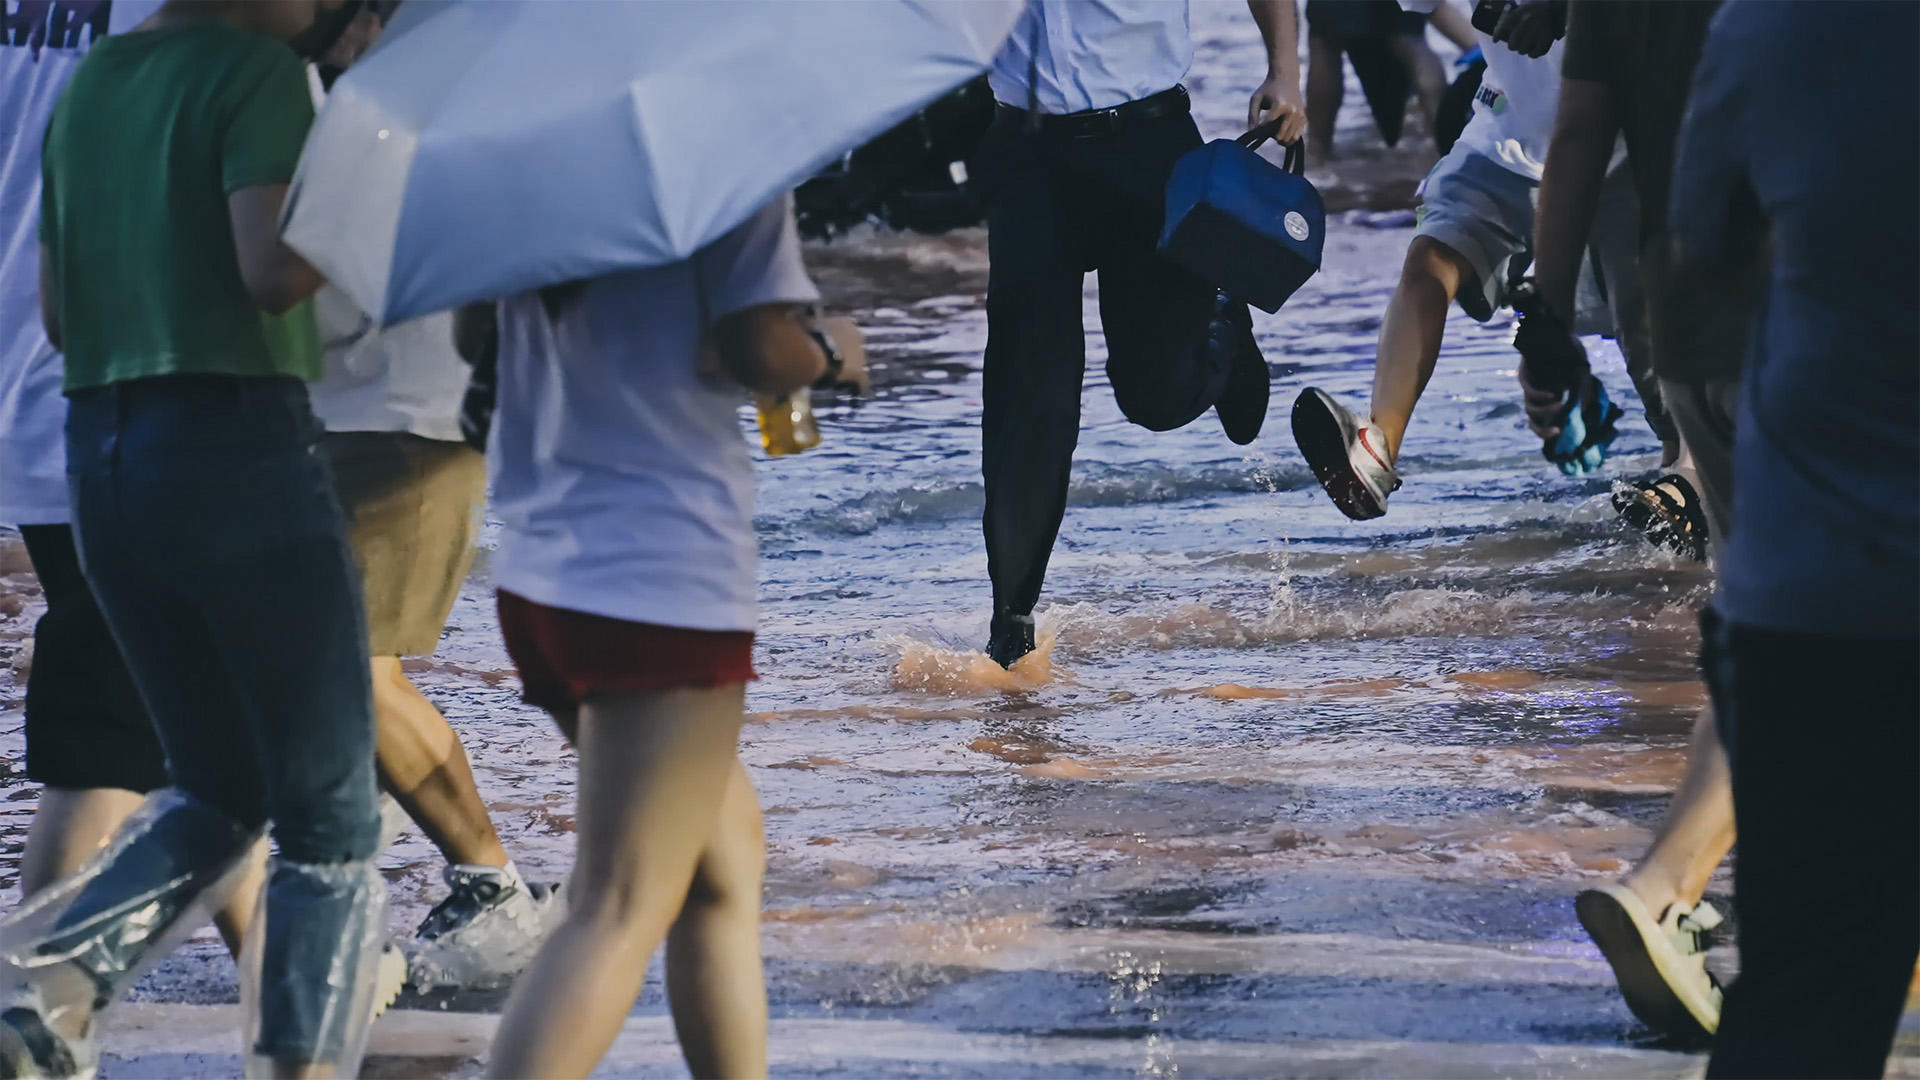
[(1424, 70), (1454, 26), (1410, 333), (1326, 83), (71, 826), (714, 978), (654, 773), (424, 767), (1698, 830)]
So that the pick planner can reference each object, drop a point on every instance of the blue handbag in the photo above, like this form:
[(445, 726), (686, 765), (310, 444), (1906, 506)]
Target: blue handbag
[(1252, 229)]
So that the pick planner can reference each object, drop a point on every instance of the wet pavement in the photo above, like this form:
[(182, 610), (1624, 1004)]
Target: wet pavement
[(1283, 795)]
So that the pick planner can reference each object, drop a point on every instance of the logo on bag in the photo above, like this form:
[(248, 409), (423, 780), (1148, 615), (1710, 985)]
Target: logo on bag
[(1296, 225)]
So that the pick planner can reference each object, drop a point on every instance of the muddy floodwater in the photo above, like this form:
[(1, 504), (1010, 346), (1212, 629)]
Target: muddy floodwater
[(1281, 794)]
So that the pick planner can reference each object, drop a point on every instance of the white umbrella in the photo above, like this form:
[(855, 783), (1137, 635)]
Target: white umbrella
[(485, 147)]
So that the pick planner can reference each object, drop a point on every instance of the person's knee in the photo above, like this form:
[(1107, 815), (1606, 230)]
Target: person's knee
[(1155, 411), (730, 879), (1430, 260), (615, 909), (334, 827), (238, 797)]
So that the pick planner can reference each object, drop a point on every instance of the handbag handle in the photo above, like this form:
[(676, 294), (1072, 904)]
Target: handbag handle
[(1296, 159)]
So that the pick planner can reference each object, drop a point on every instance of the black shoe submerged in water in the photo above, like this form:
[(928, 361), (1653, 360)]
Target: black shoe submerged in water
[(1668, 512), (1242, 407), (1010, 639)]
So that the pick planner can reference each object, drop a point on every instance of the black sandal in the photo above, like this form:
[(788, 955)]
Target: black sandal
[(1668, 512)]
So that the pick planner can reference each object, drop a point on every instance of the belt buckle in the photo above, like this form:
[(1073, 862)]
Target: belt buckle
[(1100, 122)]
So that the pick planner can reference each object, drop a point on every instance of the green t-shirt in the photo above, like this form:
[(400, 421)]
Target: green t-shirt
[(153, 132)]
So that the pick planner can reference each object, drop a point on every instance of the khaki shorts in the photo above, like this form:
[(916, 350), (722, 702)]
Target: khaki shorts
[(413, 515)]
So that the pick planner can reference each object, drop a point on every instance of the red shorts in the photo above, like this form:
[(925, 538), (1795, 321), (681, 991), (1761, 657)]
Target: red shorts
[(567, 657)]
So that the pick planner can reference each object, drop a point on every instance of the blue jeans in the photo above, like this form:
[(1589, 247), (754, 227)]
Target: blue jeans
[(210, 534)]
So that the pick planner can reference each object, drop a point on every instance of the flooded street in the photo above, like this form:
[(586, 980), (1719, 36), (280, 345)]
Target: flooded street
[(1281, 793)]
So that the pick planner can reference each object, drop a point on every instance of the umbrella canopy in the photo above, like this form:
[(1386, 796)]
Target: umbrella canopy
[(486, 147)]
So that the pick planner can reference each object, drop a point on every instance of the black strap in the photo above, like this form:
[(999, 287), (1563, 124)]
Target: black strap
[(1296, 159)]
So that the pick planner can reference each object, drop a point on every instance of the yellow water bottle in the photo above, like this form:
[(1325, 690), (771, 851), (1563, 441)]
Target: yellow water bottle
[(786, 423)]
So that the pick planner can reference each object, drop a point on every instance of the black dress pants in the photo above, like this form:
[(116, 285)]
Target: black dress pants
[(1058, 207), (1823, 734)]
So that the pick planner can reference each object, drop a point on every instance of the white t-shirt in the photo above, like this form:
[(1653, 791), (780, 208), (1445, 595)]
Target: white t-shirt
[(33, 415), (404, 378), (1513, 111), (621, 477), (1093, 54)]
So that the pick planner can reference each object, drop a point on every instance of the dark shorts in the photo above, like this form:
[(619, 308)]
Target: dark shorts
[(1344, 20), (568, 657), (86, 725)]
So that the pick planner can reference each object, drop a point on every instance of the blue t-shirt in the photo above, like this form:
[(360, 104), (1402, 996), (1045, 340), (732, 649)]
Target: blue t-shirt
[(1800, 133)]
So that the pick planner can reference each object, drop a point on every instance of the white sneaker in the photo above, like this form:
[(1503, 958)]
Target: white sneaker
[(1348, 458), (486, 931), (1661, 964)]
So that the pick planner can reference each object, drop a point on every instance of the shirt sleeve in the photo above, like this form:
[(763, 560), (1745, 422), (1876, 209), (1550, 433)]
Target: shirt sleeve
[(269, 123), (1590, 50), (1420, 7), (757, 263), (1712, 213)]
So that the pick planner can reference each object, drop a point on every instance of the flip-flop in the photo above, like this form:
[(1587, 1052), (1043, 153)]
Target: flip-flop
[(1659, 964)]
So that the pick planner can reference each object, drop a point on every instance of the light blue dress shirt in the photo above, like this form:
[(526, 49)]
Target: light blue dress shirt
[(1093, 54)]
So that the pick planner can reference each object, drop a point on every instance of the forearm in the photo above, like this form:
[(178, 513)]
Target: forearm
[(1280, 34), (1576, 169)]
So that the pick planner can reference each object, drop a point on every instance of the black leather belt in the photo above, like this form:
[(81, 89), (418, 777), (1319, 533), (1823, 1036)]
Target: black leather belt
[(1095, 122)]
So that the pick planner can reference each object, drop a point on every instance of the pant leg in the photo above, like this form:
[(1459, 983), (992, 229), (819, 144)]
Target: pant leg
[(1703, 414), (1824, 739), (211, 535), (86, 726), (1615, 244), (202, 507), (283, 603), (1155, 315), (1035, 360), (157, 626)]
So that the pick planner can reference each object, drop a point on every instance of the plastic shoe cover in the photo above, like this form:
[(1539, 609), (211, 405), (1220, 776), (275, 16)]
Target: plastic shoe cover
[(172, 863), (310, 967), (487, 930), (390, 978), (30, 1048)]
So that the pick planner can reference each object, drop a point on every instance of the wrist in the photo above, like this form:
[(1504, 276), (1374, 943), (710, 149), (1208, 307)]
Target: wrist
[(836, 362)]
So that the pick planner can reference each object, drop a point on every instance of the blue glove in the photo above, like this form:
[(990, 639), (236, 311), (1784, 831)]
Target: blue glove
[(1587, 429)]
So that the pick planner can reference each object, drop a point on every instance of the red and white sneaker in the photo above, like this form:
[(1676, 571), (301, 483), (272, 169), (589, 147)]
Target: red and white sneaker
[(1348, 458)]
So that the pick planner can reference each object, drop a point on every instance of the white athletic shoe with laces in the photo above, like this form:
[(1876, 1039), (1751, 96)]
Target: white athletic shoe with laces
[(1348, 458), (486, 931)]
